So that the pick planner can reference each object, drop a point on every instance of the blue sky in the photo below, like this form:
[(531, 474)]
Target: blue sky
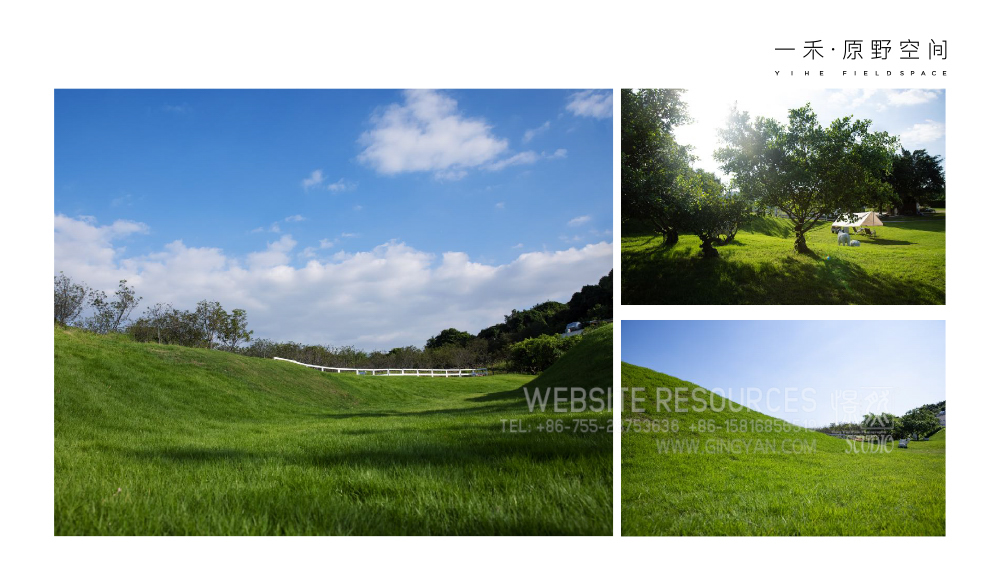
[(915, 116), (859, 357), (324, 203)]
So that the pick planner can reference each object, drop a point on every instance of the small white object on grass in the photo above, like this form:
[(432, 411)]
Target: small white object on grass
[(855, 243)]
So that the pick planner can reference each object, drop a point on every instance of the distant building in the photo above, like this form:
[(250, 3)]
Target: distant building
[(940, 416)]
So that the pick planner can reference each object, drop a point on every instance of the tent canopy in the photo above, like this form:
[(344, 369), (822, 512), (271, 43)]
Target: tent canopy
[(863, 219)]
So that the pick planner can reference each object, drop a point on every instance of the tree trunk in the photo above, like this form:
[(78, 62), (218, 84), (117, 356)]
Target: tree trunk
[(707, 250), (670, 236), (800, 240)]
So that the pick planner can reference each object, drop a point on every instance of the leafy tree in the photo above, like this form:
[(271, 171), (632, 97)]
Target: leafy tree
[(110, 315), (709, 210), (533, 355), (651, 158), (916, 176), (549, 317), (449, 336), (234, 330), (592, 302), (70, 299), (211, 321), (921, 422), (804, 169), (884, 424), (153, 324)]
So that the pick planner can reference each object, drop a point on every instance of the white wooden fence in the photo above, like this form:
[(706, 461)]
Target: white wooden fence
[(468, 372)]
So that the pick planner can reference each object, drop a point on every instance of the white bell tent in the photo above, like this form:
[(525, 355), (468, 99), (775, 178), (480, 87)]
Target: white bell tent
[(864, 219)]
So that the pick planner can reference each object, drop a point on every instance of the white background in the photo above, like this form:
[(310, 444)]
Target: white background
[(512, 44)]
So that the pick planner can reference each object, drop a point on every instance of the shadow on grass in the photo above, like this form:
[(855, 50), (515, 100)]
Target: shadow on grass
[(663, 276), (929, 225), (885, 242), (770, 228), (509, 407), (454, 447)]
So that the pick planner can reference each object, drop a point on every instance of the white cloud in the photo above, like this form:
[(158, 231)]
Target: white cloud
[(910, 97), (294, 219), (274, 228), (518, 245), (178, 109), (392, 295), (500, 205), (275, 255), (577, 221), (532, 133), (350, 235), (591, 103), (922, 133), (427, 133), (450, 175), (525, 157), (852, 98), (314, 179), (326, 243), (342, 185)]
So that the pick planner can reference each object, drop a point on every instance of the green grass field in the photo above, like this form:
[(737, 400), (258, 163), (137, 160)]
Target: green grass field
[(904, 264), (672, 487), (154, 439)]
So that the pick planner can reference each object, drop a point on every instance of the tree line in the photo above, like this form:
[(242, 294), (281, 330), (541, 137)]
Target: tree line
[(801, 169), (524, 342), (921, 422), (208, 326)]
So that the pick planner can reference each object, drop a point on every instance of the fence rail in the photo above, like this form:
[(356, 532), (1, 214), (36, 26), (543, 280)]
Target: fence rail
[(466, 372)]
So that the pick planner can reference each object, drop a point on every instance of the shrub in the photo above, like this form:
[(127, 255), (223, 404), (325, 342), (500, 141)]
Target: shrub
[(536, 354)]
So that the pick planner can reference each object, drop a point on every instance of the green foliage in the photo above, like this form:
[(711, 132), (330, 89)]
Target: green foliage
[(917, 177), (710, 211), (166, 440), (591, 303), (449, 337), (211, 320), (659, 185), (582, 365), (111, 314), (920, 422), (70, 298), (206, 327), (533, 355), (210, 326), (544, 318), (805, 170), (651, 159), (234, 330)]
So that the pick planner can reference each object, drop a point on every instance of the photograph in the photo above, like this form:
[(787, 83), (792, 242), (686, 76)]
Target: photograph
[(781, 197), (333, 312), (783, 428)]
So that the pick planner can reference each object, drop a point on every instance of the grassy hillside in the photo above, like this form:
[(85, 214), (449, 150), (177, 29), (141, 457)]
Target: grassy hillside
[(581, 365), (154, 439), (905, 264), (715, 474)]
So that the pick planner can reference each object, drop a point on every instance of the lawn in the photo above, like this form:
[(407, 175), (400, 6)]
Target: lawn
[(154, 439), (904, 264), (686, 482)]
